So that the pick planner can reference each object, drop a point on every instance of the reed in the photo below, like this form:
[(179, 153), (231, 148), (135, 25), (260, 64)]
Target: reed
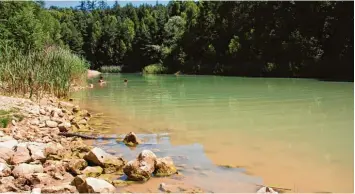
[(40, 72), (110, 69)]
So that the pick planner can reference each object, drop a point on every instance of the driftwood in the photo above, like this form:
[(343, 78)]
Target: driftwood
[(85, 136)]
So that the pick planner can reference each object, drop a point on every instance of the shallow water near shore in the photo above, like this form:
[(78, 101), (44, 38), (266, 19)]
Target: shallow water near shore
[(289, 133)]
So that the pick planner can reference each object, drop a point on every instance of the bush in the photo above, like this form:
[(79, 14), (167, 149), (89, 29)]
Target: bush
[(39, 72), (154, 69), (110, 69)]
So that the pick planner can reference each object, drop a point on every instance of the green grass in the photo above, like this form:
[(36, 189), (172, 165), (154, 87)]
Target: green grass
[(39, 72), (110, 69), (154, 69), (7, 115)]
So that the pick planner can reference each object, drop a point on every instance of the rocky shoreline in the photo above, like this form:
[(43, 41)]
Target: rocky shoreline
[(35, 157)]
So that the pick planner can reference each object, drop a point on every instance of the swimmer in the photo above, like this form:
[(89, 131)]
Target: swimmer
[(101, 81)]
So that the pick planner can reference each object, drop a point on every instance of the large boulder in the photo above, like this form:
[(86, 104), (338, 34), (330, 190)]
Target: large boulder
[(21, 155), (92, 185), (134, 171), (4, 170), (92, 171), (9, 144), (6, 154), (76, 165), (164, 167), (141, 168), (131, 139), (147, 160), (23, 169), (110, 163)]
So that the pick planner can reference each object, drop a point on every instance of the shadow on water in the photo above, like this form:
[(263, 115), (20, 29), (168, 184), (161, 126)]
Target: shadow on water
[(191, 161)]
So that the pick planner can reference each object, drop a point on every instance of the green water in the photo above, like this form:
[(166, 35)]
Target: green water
[(292, 132)]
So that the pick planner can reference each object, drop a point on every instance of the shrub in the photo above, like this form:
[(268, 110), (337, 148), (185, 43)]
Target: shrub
[(154, 69)]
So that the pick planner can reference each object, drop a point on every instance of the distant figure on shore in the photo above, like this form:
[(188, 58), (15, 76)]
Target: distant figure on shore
[(125, 81)]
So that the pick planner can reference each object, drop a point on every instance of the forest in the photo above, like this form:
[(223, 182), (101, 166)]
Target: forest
[(267, 39)]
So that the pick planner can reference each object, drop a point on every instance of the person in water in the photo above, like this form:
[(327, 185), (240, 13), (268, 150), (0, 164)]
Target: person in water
[(101, 80)]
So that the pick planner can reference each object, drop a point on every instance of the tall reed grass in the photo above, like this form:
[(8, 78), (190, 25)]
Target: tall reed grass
[(110, 69), (40, 72)]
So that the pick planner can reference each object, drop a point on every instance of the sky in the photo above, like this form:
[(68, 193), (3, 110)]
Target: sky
[(110, 3)]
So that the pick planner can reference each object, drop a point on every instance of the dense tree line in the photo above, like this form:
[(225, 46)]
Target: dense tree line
[(281, 39)]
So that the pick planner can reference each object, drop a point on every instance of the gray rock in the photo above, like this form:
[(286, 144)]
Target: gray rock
[(23, 169), (4, 170), (9, 144), (21, 155), (51, 124)]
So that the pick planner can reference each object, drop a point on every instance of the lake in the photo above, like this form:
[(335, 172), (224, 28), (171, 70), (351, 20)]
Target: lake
[(290, 133)]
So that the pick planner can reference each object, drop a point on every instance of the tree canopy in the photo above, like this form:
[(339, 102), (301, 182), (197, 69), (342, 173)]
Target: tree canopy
[(279, 39)]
